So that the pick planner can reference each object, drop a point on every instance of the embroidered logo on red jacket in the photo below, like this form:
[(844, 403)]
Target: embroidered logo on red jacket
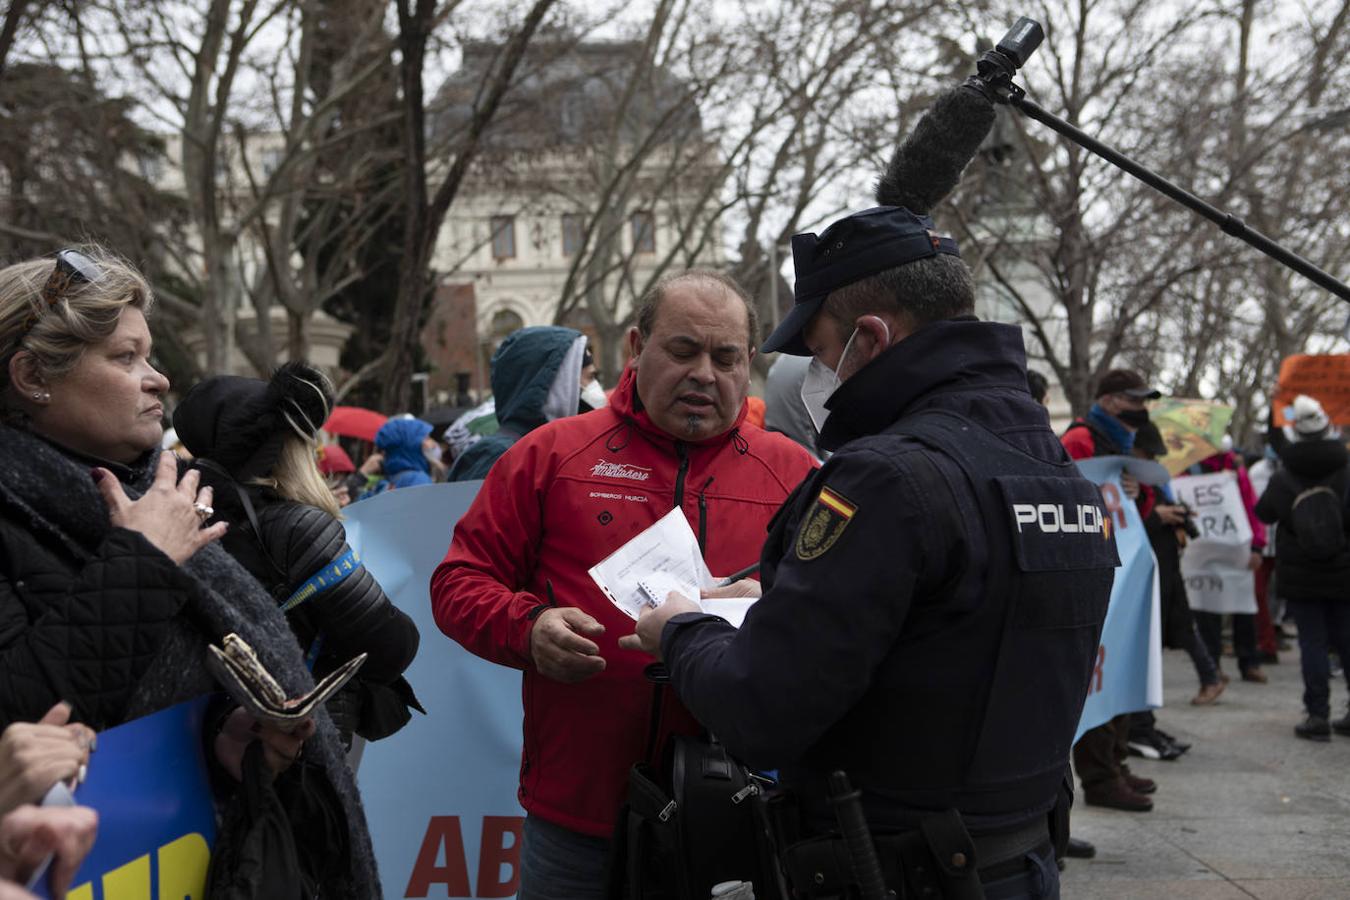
[(605, 469)]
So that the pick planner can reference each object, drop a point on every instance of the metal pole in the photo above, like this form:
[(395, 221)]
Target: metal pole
[(1229, 223), (773, 284)]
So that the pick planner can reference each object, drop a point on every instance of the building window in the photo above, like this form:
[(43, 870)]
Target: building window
[(222, 167), (271, 160), (152, 167), (571, 234), (504, 323), (644, 234), (503, 237)]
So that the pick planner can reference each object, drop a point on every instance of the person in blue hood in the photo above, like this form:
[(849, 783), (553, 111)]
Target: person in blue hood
[(405, 444), (536, 378)]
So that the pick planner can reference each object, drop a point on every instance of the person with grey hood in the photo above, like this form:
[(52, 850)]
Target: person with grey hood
[(1307, 497), (784, 410), (536, 378)]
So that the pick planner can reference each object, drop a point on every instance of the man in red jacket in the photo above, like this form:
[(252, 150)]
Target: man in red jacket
[(514, 587)]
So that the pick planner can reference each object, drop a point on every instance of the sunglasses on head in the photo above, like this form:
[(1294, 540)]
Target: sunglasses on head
[(71, 266)]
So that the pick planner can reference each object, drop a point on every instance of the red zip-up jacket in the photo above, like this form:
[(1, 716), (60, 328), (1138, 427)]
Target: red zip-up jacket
[(564, 497), (1080, 442)]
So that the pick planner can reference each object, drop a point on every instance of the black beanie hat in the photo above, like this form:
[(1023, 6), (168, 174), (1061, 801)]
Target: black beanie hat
[(241, 423)]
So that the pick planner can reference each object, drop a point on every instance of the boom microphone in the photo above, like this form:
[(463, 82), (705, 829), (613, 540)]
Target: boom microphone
[(928, 165), (997, 67)]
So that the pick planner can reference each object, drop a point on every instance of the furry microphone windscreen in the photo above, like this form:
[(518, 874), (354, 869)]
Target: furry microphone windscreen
[(928, 165)]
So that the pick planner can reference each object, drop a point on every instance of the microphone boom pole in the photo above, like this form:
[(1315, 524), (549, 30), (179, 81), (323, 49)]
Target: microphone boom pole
[(996, 69)]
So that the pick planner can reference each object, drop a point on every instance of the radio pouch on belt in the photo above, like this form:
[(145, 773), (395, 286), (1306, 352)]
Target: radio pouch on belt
[(953, 852), (688, 824)]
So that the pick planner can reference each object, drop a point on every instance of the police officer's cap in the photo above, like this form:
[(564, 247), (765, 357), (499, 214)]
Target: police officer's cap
[(853, 248)]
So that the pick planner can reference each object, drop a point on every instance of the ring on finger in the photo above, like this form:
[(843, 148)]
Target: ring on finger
[(203, 511)]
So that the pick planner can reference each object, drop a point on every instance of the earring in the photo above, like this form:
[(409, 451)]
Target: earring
[(41, 396)]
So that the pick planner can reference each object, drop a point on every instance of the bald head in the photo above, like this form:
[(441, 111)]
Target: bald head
[(706, 282)]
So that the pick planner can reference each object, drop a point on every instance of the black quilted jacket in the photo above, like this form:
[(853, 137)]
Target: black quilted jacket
[(84, 631), (96, 616)]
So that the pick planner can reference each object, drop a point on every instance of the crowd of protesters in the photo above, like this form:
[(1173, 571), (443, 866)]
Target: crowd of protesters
[(119, 562), (1294, 494)]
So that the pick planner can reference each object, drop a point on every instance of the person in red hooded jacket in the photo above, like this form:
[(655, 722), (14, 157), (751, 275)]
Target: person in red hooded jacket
[(514, 587)]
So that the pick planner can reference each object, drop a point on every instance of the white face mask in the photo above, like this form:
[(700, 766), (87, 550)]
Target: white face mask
[(594, 394), (432, 453), (821, 382)]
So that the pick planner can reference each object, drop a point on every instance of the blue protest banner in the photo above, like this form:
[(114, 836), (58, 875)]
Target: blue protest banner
[(148, 782), (1128, 673), (440, 795)]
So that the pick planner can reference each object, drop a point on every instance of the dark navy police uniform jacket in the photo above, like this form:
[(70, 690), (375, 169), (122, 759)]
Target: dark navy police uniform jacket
[(933, 598)]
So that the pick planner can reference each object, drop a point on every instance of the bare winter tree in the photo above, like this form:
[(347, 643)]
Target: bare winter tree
[(603, 138), (704, 118), (325, 183), (237, 83), (831, 88), (1102, 270), (1070, 245), (425, 209), (74, 167), (1271, 154), (15, 16)]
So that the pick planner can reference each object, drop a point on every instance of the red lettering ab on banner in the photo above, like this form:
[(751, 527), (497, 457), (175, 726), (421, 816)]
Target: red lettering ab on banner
[(445, 841), (1111, 498), (1097, 679), (1324, 377)]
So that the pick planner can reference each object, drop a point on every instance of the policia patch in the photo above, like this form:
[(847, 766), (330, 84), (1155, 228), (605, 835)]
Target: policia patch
[(825, 522)]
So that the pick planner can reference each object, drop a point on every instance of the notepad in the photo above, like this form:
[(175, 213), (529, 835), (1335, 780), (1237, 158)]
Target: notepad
[(664, 558)]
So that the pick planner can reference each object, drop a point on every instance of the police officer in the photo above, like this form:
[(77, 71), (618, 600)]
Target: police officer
[(933, 595)]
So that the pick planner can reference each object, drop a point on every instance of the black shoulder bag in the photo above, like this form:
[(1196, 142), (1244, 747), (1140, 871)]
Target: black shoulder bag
[(690, 823)]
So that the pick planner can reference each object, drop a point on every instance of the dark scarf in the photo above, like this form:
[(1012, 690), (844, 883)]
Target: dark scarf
[(53, 491)]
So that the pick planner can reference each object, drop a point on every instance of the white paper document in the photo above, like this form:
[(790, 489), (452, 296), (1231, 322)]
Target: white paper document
[(662, 559)]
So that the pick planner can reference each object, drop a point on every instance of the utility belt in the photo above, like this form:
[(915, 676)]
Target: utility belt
[(700, 818), (937, 859)]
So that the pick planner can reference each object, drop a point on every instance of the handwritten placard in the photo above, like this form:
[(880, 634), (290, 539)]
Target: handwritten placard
[(1324, 377)]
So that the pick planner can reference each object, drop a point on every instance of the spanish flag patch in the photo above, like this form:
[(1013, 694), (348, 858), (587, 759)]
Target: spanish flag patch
[(824, 523)]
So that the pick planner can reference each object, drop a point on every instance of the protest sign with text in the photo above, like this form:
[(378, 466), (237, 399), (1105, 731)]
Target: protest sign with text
[(440, 795), (1325, 377), (1128, 674), (148, 783), (1215, 565)]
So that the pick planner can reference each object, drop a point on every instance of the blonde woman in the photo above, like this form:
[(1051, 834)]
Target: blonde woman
[(255, 442), (111, 579)]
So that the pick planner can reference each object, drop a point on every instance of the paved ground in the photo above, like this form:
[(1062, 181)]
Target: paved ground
[(1250, 811)]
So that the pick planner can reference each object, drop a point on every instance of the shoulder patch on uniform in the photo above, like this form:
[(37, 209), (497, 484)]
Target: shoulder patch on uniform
[(824, 523), (1057, 524)]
